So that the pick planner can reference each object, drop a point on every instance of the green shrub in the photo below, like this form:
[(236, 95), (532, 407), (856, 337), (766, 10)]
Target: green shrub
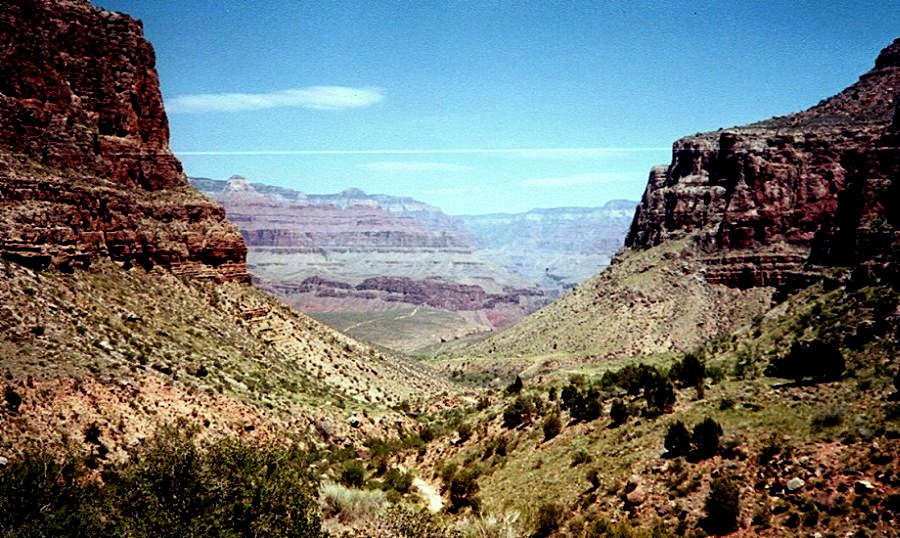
[(518, 411), (816, 360), (689, 371), (660, 395), (618, 412), (349, 505), (722, 506), (354, 474), (167, 487), (516, 386), (547, 519), (12, 398), (397, 480), (463, 490), (552, 426), (580, 456), (678, 440), (464, 430), (705, 438)]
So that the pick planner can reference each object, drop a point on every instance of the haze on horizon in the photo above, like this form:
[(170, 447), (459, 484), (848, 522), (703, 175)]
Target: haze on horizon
[(486, 107)]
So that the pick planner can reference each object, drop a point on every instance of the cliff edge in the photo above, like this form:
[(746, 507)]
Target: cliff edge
[(768, 199), (85, 164)]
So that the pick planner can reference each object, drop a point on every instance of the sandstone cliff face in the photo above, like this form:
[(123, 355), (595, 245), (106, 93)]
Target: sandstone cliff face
[(85, 167), (763, 198)]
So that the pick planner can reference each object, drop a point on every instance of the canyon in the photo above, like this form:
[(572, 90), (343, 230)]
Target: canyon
[(342, 256)]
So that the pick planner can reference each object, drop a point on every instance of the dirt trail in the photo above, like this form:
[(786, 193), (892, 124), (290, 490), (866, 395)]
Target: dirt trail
[(435, 503)]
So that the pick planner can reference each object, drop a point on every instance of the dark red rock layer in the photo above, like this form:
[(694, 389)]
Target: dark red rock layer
[(758, 198), (86, 168)]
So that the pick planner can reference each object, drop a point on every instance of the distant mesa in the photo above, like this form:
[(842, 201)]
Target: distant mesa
[(358, 252)]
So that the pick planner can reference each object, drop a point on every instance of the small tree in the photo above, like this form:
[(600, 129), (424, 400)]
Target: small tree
[(552, 426), (678, 440), (618, 412), (723, 506), (689, 371), (660, 394), (353, 475), (517, 411), (516, 386), (705, 438)]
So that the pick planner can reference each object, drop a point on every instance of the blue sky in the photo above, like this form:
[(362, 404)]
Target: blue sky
[(486, 106)]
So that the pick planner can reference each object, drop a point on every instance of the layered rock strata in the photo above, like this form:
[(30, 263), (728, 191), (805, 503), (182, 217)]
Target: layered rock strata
[(346, 253), (85, 166), (767, 199)]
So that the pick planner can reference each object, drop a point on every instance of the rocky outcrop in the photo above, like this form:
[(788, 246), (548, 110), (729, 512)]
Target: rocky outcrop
[(767, 199), (85, 167)]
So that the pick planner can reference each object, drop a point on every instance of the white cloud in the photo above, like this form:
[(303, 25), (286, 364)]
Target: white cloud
[(314, 97), (413, 166), (591, 178), (515, 152)]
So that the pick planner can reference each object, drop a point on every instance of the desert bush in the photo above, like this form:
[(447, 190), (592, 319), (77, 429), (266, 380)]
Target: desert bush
[(722, 506), (516, 386), (349, 505), (397, 480), (547, 519), (12, 398), (618, 412), (464, 430), (826, 418), (427, 434), (167, 487), (518, 411), (353, 475), (689, 371), (583, 405), (705, 438), (40, 496), (815, 360), (463, 490), (678, 439), (660, 395), (552, 426), (580, 456)]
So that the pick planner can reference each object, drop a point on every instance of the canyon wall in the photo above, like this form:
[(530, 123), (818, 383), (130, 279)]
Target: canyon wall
[(767, 200), (85, 165)]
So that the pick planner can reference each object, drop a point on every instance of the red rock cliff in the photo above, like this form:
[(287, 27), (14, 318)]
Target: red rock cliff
[(85, 166), (766, 199)]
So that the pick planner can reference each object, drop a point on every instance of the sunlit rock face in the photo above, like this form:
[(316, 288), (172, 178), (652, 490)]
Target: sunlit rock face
[(85, 164), (767, 198)]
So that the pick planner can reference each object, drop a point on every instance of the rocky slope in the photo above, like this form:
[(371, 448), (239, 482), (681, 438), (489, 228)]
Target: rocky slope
[(352, 252), (557, 247), (85, 167)]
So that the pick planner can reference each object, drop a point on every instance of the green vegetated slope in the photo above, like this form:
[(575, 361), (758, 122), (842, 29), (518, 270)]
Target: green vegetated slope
[(130, 348), (809, 456), (404, 329), (647, 302)]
